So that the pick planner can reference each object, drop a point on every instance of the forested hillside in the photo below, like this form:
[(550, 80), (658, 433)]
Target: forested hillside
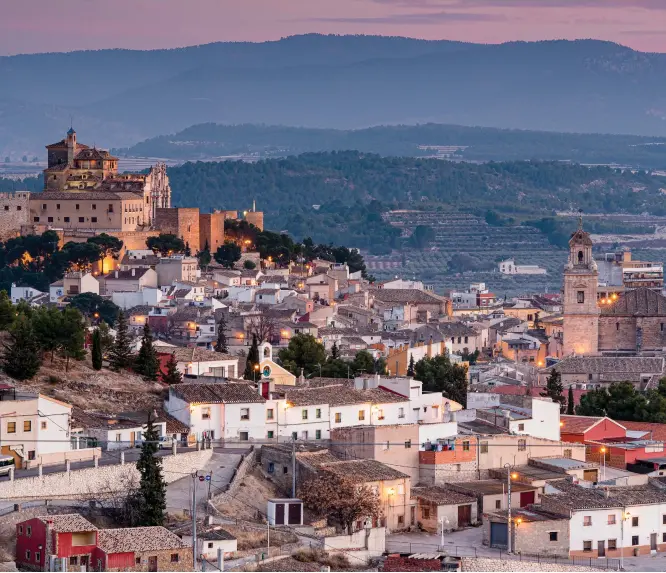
[(208, 140), (340, 196)]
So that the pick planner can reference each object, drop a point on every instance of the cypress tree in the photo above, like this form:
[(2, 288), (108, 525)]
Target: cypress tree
[(120, 353), (152, 487), (96, 350), (172, 374), (22, 358), (222, 345), (252, 359), (410, 368), (554, 388), (570, 402), (72, 335), (147, 364), (335, 353)]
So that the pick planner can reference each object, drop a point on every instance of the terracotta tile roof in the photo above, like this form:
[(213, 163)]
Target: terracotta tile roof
[(406, 295), (362, 471), (441, 495), (572, 496), (56, 168), (578, 424), (489, 487), (639, 302), (140, 310), (196, 354), (340, 395), (610, 365), (74, 195), (138, 540), (68, 523), (217, 393), (214, 534), (656, 431), (94, 153)]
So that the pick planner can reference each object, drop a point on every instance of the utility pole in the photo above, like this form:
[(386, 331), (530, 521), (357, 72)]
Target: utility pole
[(293, 468), (195, 479), (508, 521)]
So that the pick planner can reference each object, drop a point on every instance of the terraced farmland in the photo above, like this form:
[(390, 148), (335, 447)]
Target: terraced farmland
[(485, 245)]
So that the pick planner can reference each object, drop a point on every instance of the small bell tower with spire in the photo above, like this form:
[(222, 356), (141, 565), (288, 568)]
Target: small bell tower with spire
[(580, 307)]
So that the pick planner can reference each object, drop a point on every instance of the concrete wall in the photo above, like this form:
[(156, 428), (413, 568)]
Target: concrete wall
[(533, 537), (97, 481)]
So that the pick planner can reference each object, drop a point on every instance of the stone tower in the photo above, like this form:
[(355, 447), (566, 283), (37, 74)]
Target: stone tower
[(581, 312)]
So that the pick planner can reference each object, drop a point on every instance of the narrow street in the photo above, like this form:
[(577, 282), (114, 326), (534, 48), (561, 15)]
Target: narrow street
[(221, 466)]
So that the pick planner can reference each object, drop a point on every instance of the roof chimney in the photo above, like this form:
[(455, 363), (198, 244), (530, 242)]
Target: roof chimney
[(133, 272), (116, 273)]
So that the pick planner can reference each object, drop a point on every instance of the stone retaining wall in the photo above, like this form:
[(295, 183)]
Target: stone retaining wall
[(98, 481), (244, 466), (471, 564)]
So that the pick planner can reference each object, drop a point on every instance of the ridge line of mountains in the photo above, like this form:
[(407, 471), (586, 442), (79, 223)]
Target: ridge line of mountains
[(121, 97)]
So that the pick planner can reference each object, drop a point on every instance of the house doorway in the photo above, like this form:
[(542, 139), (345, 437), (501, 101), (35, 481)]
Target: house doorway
[(601, 549)]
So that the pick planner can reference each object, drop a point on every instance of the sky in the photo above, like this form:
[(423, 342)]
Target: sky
[(29, 26)]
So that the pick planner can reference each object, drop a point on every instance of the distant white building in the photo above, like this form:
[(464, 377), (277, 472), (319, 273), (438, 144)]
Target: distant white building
[(24, 293), (509, 267)]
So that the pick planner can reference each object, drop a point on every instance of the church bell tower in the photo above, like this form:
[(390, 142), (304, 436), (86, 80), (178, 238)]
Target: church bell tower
[(581, 312)]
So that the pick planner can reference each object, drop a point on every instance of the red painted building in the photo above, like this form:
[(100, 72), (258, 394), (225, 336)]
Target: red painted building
[(75, 539), (613, 443), (64, 536)]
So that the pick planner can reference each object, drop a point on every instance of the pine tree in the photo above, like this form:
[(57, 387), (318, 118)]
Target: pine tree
[(222, 345), (188, 251), (252, 360), (410, 368), (172, 374), (152, 487), (96, 350), (554, 388), (72, 336), (570, 402), (335, 353), (21, 359), (120, 353), (147, 364)]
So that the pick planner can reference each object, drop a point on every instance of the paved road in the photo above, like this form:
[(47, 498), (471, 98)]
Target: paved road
[(222, 465), (108, 458)]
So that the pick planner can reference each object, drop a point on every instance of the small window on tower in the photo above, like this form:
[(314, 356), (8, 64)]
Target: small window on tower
[(580, 296)]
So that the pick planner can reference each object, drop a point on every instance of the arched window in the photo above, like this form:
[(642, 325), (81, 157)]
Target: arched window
[(267, 352), (580, 257)]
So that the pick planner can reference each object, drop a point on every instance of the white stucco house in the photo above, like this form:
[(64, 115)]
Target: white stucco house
[(232, 412)]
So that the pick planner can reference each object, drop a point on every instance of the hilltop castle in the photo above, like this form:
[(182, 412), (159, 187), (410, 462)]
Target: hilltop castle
[(84, 195)]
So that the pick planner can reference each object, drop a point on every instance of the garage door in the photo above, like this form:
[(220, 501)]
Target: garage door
[(526, 497), (498, 535)]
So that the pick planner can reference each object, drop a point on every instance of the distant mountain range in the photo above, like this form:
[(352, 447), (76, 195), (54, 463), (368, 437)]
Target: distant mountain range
[(119, 97), (212, 141)]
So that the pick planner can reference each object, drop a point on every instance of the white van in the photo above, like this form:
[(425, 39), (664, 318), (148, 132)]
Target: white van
[(6, 463)]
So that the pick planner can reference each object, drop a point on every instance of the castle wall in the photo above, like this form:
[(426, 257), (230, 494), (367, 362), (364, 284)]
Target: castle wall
[(211, 230), (255, 218), (14, 212), (621, 333), (182, 222)]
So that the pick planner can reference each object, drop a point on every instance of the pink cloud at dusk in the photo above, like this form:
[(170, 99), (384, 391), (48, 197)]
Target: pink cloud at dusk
[(28, 26)]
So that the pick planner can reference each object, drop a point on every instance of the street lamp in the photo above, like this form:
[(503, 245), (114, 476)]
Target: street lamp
[(602, 450), (256, 369), (509, 477), (625, 515), (442, 521)]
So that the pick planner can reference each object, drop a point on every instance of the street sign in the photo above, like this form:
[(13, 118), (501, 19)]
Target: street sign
[(201, 478), (207, 478)]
